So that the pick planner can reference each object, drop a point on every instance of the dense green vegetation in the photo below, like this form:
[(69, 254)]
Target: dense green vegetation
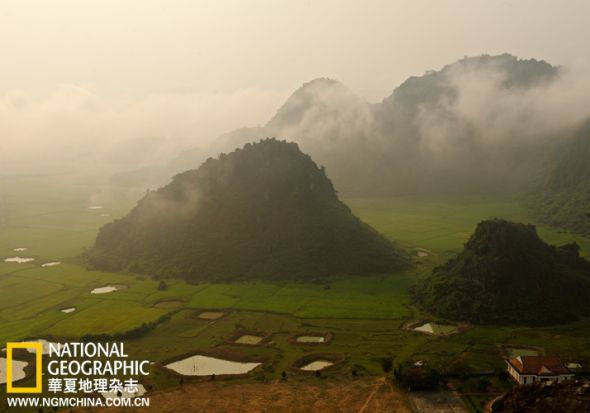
[(507, 274), (266, 211), (563, 200)]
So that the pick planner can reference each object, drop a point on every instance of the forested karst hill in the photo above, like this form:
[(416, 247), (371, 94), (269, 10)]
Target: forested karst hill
[(563, 198), (507, 274), (263, 211)]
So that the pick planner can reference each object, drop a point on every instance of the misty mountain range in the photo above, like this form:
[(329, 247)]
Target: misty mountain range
[(486, 124)]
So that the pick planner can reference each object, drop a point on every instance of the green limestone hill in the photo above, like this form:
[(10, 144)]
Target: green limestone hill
[(507, 274), (564, 198), (263, 211)]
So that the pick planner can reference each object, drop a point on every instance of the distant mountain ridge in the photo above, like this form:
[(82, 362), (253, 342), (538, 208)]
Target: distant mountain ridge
[(420, 139), (265, 211)]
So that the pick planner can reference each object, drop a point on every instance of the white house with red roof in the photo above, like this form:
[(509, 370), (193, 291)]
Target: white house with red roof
[(531, 369)]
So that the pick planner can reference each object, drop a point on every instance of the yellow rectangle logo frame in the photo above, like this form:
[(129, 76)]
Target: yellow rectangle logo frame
[(38, 347)]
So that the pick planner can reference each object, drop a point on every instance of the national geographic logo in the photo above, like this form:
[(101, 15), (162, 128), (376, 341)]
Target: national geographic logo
[(38, 347)]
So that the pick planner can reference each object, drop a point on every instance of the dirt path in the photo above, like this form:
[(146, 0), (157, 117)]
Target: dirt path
[(377, 386)]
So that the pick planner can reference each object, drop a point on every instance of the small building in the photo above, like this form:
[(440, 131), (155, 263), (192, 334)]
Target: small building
[(531, 369)]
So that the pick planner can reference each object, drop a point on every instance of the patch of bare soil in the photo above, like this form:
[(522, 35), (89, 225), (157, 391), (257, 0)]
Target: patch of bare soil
[(437, 402), (358, 396)]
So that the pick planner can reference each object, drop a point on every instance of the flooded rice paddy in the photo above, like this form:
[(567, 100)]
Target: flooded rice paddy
[(211, 315), (317, 365), (310, 339), (51, 264), (422, 252), (205, 366), (19, 260), (18, 370), (249, 339), (436, 329), (108, 289)]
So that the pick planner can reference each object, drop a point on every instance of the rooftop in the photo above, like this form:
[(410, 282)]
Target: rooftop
[(538, 365)]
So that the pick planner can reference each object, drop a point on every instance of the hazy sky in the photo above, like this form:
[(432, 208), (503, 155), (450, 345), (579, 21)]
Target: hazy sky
[(162, 46), (82, 72)]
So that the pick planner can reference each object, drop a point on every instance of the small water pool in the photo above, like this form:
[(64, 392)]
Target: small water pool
[(205, 366)]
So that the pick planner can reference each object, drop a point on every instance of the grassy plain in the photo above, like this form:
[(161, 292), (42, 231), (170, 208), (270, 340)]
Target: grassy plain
[(50, 217)]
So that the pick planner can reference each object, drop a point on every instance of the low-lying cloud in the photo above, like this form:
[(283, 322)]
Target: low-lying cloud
[(78, 123)]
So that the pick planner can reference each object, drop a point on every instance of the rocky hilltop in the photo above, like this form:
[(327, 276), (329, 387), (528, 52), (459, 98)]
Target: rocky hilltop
[(572, 396)]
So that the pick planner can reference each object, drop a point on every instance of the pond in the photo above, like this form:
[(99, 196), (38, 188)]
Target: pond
[(249, 339), (317, 365), (310, 339), (96, 207), (211, 315), (21, 249), (18, 370), (107, 289), (423, 252), (45, 345), (125, 394), (19, 260), (436, 329), (68, 310), (51, 264), (205, 366)]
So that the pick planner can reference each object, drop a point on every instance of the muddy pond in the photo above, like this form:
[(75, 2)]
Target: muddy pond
[(249, 339), (317, 365), (310, 339), (18, 370), (436, 329), (108, 289), (19, 260), (205, 366), (51, 264), (44, 345)]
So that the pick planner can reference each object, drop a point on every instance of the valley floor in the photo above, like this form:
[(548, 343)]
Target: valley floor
[(365, 317)]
